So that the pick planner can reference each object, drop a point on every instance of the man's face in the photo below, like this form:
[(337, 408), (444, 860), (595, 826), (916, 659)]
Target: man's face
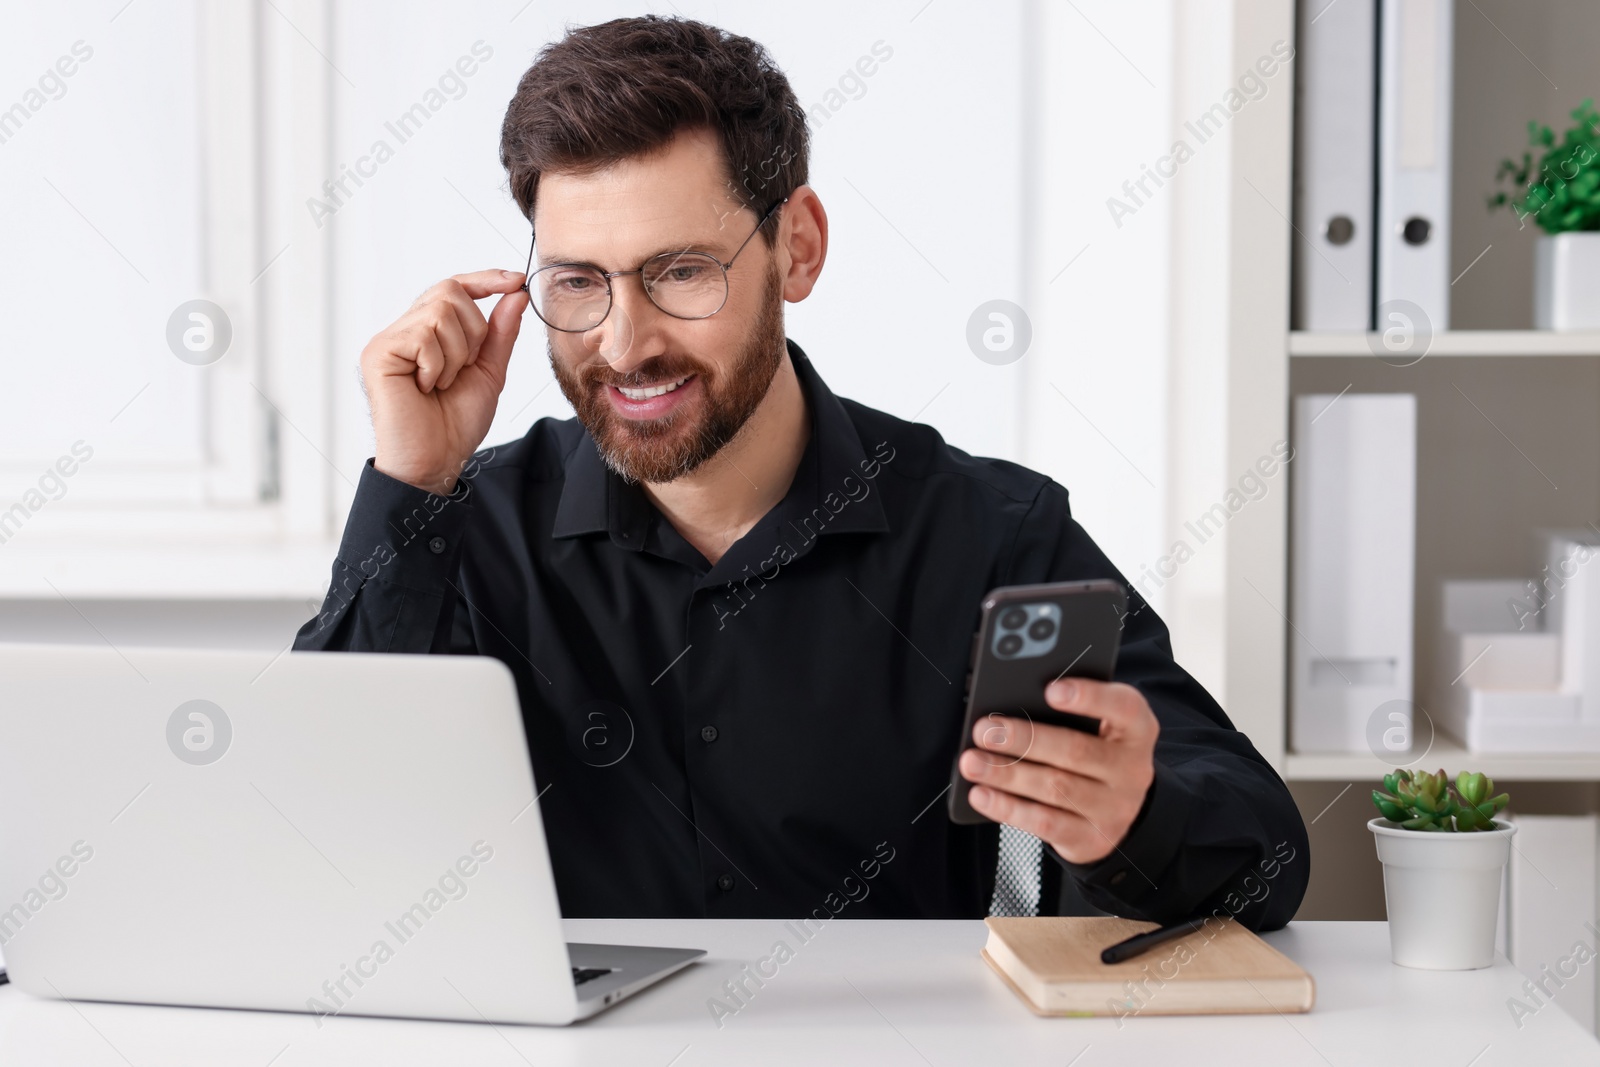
[(615, 219)]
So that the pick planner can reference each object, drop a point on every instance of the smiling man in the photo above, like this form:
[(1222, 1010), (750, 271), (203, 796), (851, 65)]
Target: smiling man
[(738, 607)]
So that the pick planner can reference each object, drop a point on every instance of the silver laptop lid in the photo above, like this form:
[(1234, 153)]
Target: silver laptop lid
[(324, 832)]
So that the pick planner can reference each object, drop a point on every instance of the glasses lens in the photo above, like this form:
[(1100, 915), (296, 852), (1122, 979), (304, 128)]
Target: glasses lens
[(690, 285), (570, 298)]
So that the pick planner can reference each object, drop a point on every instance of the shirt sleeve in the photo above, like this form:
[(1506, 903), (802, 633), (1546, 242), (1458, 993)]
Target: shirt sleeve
[(1219, 832), (396, 580)]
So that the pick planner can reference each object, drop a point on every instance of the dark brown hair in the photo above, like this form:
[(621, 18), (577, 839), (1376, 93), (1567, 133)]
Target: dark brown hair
[(623, 88)]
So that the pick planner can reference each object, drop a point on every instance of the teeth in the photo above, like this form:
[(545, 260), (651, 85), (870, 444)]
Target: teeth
[(657, 390)]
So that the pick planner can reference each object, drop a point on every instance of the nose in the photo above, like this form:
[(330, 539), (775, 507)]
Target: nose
[(631, 333)]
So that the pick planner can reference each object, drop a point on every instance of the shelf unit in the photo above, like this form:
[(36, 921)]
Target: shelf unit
[(1364, 768), (1466, 489), (1264, 360), (1455, 343), (1479, 494)]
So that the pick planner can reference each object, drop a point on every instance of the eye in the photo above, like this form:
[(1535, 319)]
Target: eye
[(680, 270), (574, 282), (683, 272)]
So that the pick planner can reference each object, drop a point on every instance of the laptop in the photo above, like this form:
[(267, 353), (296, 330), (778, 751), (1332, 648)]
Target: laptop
[(329, 833)]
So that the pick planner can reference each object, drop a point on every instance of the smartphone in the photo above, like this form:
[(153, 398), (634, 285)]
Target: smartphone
[(1028, 636)]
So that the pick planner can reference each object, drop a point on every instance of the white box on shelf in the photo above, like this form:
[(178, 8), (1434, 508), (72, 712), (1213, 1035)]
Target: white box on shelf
[(1500, 675), (1353, 570), (1570, 591), (1571, 610), (1491, 605), (1516, 721), (1481, 660), (1550, 908)]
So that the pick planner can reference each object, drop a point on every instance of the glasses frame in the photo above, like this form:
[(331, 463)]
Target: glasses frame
[(611, 300)]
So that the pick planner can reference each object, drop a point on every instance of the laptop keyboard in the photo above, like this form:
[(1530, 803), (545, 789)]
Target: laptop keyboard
[(581, 975)]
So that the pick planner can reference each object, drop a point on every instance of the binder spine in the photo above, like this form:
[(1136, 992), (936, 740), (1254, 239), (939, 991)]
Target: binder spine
[(1416, 46), (1335, 144)]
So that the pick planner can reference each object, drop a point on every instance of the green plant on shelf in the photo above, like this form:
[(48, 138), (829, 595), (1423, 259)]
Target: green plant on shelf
[(1423, 801), (1563, 194)]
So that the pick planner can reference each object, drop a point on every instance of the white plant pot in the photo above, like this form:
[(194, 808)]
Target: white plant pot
[(1566, 281), (1443, 893)]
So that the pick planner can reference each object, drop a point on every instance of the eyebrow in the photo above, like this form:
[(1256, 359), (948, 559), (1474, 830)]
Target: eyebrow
[(708, 247)]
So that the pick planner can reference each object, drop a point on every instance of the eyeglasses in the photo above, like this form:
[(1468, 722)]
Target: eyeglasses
[(575, 297)]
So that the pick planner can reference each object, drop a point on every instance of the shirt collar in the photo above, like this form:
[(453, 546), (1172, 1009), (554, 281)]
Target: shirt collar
[(595, 499)]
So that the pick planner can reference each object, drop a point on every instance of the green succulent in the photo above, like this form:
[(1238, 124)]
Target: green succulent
[(1423, 801), (1563, 192)]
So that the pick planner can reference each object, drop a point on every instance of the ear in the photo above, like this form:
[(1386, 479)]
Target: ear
[(802, 244)]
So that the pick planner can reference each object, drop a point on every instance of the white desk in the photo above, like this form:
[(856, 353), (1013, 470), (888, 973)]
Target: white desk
[(860, 992)]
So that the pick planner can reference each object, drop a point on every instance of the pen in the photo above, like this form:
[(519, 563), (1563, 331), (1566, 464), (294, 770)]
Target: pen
[(1138, 943)]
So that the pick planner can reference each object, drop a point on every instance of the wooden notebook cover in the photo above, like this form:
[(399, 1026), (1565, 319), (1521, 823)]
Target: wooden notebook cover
[(1053, 964)]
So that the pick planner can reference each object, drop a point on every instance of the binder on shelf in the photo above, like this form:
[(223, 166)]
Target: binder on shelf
[(1416, 46), (1353, 572), (1335, 85)]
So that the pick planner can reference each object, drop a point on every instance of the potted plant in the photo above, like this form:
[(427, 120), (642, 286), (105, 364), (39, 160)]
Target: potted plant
[(1563, 196), (1443, 852)]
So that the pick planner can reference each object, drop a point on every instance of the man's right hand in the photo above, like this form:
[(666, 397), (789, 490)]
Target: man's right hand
[(433, 378)]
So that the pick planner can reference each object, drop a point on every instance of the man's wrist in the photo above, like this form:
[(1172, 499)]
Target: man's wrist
[(436, 482), (1128, 871)]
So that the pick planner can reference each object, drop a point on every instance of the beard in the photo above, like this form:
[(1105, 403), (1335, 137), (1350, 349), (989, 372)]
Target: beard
[(665, 448)]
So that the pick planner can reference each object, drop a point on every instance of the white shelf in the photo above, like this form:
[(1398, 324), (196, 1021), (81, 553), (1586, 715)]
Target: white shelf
[(174, 570), (1456, 343), (1366, 769)]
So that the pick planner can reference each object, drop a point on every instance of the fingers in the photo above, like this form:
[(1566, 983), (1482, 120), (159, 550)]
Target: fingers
[(445, 331), (426, 352), (1052, 781), (1070, 833), (1037, 781), (477, 284), (1122, 709), (1084, 695), (1006, 740), (452, 340), (454, 299), (505, 322)]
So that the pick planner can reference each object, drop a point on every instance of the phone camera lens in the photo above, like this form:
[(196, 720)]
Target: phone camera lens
[(1042, 629), (1009, 645), (1013, 619)]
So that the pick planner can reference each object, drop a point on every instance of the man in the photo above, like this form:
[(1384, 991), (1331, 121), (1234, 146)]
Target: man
[(739, 609)]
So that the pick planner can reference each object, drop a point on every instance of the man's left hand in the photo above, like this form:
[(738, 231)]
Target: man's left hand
[(1078, 792)]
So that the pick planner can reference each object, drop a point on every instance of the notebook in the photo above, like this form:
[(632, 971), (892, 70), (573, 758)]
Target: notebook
[(1053, 964)]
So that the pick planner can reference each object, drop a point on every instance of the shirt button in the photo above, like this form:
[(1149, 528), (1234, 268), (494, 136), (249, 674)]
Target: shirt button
[(724, 882), (1118, 878), (436, 545), (708, 733)]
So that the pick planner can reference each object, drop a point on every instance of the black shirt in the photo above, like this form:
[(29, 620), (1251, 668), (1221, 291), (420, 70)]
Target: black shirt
[(773, 734)]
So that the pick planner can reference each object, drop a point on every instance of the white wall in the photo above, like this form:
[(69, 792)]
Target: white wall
[(920, 171), (974, 164), (1096, 392), (98, 178)]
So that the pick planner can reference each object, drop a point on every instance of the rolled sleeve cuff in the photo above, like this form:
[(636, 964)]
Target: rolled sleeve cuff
[(403, 534), (1132, 871)]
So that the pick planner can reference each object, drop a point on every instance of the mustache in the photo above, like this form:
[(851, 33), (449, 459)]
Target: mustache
[(658, 371)]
